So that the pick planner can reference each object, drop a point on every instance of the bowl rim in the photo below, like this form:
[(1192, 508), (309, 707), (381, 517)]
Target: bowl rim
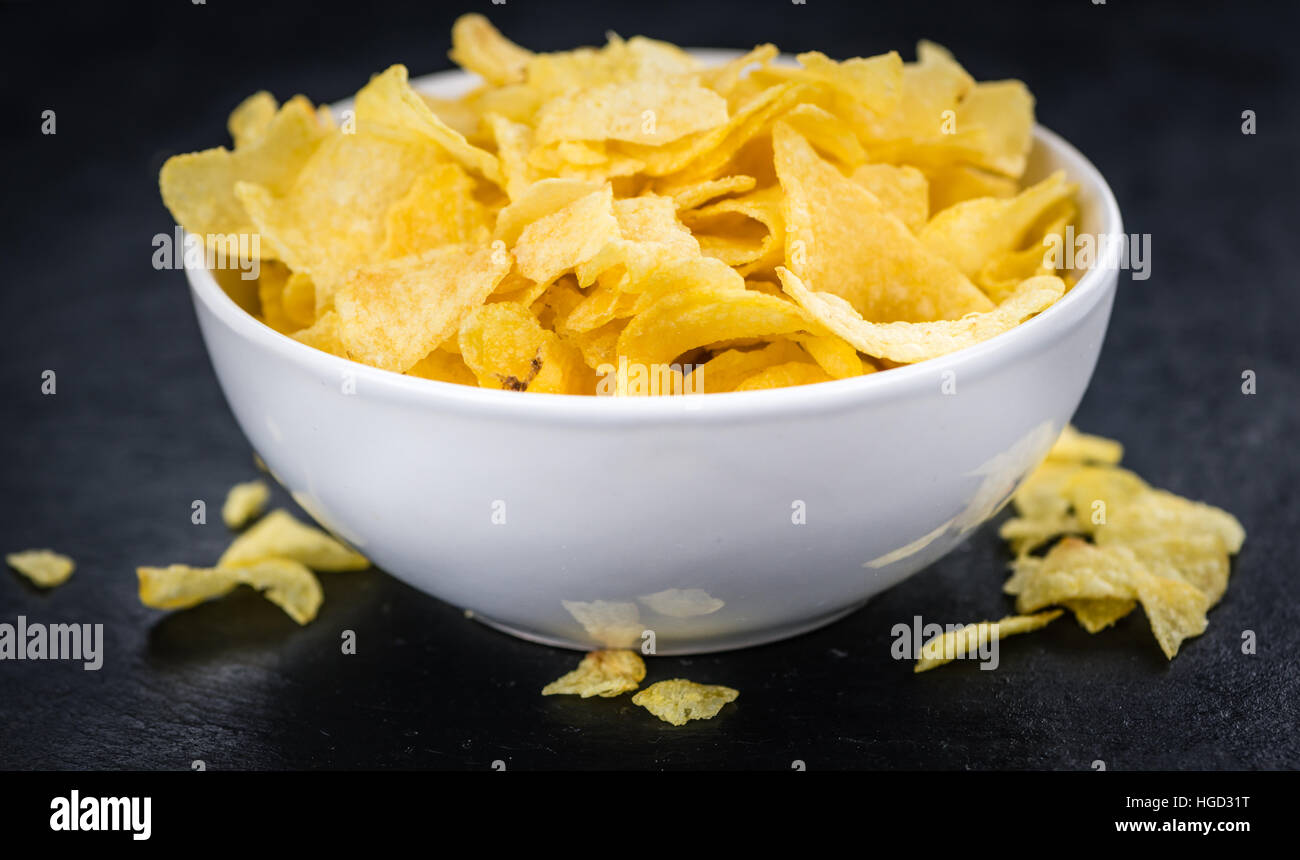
[(822, 396)]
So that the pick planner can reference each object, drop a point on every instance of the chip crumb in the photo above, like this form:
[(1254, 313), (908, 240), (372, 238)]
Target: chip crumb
[(43, 567), (601, 673), (679, 701), (245, 503)]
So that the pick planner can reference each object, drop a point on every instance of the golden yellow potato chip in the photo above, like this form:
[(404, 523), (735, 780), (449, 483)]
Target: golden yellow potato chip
[(324, 335), (389, 104), (969, 234), (513, 141), (601, 673), (285, 582), (954, 183), (538, 200), (507, 348), (393, 314), (727, 369), (298, 300), (968, 640), (199, 188), (1096, 614), (559, 242), (1159, 514), (698, 316), (244, 503), (439, 209), (1004, 111), (911, 342), (43, 567), (840, 238), (335, 215), (278, 535), (695, 194), (901, 189), (833, 355), (875, 82), (723, 79), (478, 47), (650, 238), (747, 232), (652, 113), (1002, 272), (679, 701), (251, 118), (783, 375), (443, 366), (828, 134), (270, 297)]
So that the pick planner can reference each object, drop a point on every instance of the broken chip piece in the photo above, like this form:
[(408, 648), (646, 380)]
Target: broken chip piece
[(244, 503), (967, 640), (678, 701), (601, 673), (279, 535), (286, 583), (43, 567)]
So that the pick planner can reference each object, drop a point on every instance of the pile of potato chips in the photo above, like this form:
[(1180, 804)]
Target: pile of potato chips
[(1119, 543), (591, 221)]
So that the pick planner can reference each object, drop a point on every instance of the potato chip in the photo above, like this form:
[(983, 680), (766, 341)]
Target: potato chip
[(506, 348), (954, 183), (285, 582), (244, 503), (783, 375), (727, 369), (279, 536), (679, 701), (969, 639), (834, 355), (478, 47), (698, 316), (443, 366), (43, 567), (1159, 514), (389, 103), (902, 191), (439, 209), (911, 342), (1004, 111), (199, 188), (251, 118), (747, 232), (652, 113), (1096, 614), (559, 242), (393, 314), (695, 194), (601, 673), (324, 335), (969, 234), (842, 240)]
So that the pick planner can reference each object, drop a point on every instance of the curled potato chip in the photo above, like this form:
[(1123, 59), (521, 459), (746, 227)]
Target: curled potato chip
[(727, 369), (285, 582), (389, 103), (601, 673), (244, 502), (43, 567), (876, 82), (393, 314), (967, 640), (506, 348), (679, 701), (839, 236), (480, 48), (278, 535), (954, 183), (969, 234), (911, 342), (695, 194), (901, 189), (694, 317), (747, 232), (1004, 111)]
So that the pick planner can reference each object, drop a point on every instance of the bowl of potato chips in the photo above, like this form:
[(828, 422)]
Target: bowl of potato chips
[(630, 343)]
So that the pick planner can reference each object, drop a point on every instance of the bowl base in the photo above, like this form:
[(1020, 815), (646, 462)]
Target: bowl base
[(686, 647)]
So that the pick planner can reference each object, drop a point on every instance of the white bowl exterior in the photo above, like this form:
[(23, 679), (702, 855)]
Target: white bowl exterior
[(674, 515)]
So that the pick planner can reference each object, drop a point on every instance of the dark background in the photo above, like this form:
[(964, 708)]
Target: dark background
[(106, 469)]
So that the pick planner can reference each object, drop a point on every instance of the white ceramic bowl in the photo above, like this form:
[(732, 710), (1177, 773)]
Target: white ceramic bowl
[(716, 521)]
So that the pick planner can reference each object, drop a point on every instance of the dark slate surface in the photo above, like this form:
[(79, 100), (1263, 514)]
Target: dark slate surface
[(105, 470)]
